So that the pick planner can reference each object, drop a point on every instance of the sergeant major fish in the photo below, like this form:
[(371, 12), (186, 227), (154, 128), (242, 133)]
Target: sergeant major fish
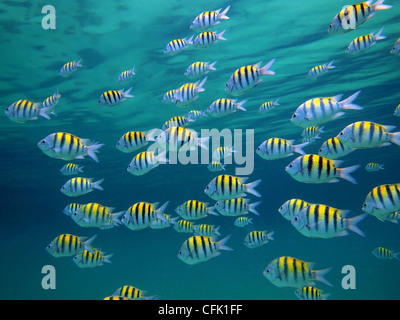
[(333, 149), (223, 107), (207, 38), (194, 210), (236, 207), (292, 207), (146, 161), (86, 259), (320, 70), (71, 169), (67, 245), (143, 214), (257, 239), (79, 186), (178, 45), (113, 97), (277, 148), (188, 93), (69, 68), (25, 110), (365, 42), (126, 75), (208, 19), (268, 105), (382, 200), (383, 253), (198, 69), (310, 293), (374, 167), (134, 140)]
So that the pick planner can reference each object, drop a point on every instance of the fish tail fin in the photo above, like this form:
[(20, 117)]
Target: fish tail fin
[(222, 15), (378, 5), (252, 207), (344, 173), (108, 257), (160, 211), (190, 40), (162, 157), (133, 70), (250, 188), (347, 103), (265, 70), (211, 66), (379, 35), (330, 65), (216, 231), (126, 93), (298, 148), (88, 244), (79, 63), (96, 185), (199, 87), (396, 256), (221, 245), (93, 149), (220, 36), (44, 112), (352, 224), (210, 210), (270, 236), (395, 138), (240, 105), (80, 168), (276, 102), (201, 142), (319, 276)]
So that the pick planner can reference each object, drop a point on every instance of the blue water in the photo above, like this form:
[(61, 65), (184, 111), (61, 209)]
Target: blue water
[(112, 37)]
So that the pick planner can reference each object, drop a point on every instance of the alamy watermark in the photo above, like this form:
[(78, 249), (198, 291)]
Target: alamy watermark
[(49, 20)]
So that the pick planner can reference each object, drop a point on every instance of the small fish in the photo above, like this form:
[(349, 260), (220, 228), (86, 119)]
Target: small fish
[(86, 259), (113, 97), (126, 75), (169, 96), (195, 114), (184, 226), (277, 148), (310, 293), (161, 224), (177, 46), (143, 214), (70, 169), (225, 187), (392, 217), (180, 138), (216, 166), (66, 146), (397, 111), (132, 293), (222, 153), (333, 149), (268, 105), (223, 107), (179, 121), (199, 249), (188, 93), (96, 215), (310, 132), (352, 16), (134, 140), (207, 38), (24, 110), (317, 111), (320, 70), (116, 298), (243, 221), (198, 69), (321, 221), (312, 168), (383, 253), (69, 68), (291, 272), (70, 209), (292, 207), (365, 42), (206, 230), (51, 102), (247, 77), (366, 134), (382, 200), (374, 167), (257, 239), (67, 245), (310, 139), (236, 207), (208, 19), (146, 161), (194, 210), (79, 186), (396, 48)]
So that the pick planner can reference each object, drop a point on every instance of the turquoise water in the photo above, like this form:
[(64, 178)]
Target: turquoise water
[(114, 36)]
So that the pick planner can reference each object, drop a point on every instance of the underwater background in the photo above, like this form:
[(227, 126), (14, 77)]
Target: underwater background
[(113, 36)]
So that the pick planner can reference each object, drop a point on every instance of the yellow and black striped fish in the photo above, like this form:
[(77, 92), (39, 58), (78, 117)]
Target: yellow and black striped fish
[(236, 207), (292, 207), (86, 259), (333, 149), (268, 105), (198, 249), (169, 96), (374, 167), (206, 230), (199, 68), (310, 293), (134, 140), (208, 38), (383, 253), (126, 75), (71, 208), (312, 168), (113, 97), (69, 68), (256, 239), (277, 148), (178, 121), (66, 245), (216, 166), (223, 107), (129, 292), (181, 138), (25, 110), (70, 169), (96, 215), (382, 200), (146, 161), (143, 214), (184, 226), (188, 92), (208, 19), (312, 131), (194, 210), (79, 186), (242, 222), (320, 70), (178, 45), (365, 42), (51, 102)]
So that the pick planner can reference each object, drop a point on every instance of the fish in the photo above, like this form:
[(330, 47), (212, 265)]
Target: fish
[(194, 210), (397, 111), (66, 146), (257, 239), (216, 166), (247, 77), (184, 226), (310, 293), (146, 161), (126, 75), (278, 148), (317, 111), (324, 222), (51, 102), (180, 138), (208, 19), (117, 298), (143, 214), (312, 168), (177, 46), (179, 121), (382, 200), (70, 209), (199, 249), (134, 140), (268, 105), (352, 16), (206, 230), (86, 259), (133, 293), (25, 110), (366, 134), (67, 245), (383, 253), (374, 167), (243, 221), (334, 149), (392, 217), (188, 93), (195, 114), (71, 169), (207, 38), (396, 48), (222, 153), (365, 42), (96, 215), (114, 97), (225, 187), (236, 207), (169, 96), (290, 208), (310, 139), (310, 132), (320, 70), (287, 271), (70, 67), (161, 224), (223, 107), (199, 68), (79, 186)]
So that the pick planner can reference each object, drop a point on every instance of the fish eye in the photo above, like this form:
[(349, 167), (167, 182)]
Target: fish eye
[(341, 133), (281, 208), (365, 204), (267, 270), (294, 116), (43, 141), (180, 253), (290, 166), (207, 187)]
